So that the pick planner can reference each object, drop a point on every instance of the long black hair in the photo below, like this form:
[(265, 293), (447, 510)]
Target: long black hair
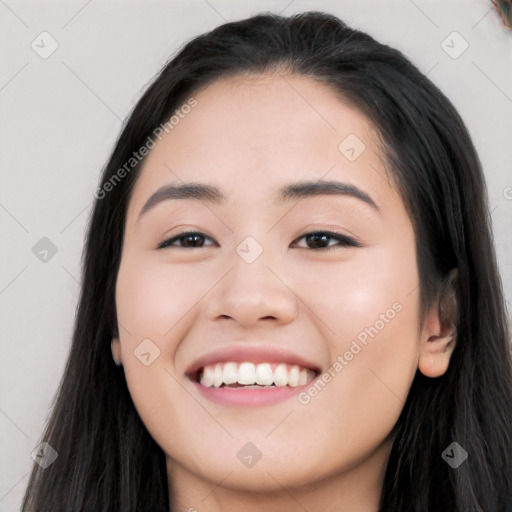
[(106, 458)]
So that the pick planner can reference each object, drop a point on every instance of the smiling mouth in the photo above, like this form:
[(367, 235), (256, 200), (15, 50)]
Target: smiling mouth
[(249, 375)]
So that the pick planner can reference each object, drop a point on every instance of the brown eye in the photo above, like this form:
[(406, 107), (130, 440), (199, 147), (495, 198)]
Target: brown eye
[(320, 240), (189, 239)]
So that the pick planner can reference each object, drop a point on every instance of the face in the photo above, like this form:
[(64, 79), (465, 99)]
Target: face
[(315, 289)]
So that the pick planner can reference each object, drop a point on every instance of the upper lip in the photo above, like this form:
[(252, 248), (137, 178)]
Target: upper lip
[(248, 353)]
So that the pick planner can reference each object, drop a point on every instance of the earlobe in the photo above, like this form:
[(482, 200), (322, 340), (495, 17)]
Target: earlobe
[(115, 346), (439, 333), (435, 354)]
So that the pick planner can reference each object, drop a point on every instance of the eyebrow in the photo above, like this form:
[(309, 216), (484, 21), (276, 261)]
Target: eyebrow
[(212, 194)]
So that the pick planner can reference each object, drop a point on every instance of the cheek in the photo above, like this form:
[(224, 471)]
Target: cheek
[(364, 312), (371, 310), (153, 298), (349, 296), (153, 302), (358, 400)]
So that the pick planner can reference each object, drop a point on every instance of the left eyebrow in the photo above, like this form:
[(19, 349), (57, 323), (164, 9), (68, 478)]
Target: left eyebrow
[(314, 188), (213, 195)]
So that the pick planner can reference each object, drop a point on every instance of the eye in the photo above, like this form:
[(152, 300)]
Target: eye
[(190, 239), (319, 238)]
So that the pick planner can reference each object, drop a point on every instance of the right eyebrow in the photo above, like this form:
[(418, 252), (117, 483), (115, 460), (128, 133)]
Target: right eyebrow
[(213, 194), (199, 191)]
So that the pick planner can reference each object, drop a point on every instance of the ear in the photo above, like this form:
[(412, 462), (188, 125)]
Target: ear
[(439, 332), (116, 350)]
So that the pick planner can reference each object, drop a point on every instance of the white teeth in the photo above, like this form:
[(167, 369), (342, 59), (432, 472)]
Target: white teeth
[(281, 375), (230, 373), (264, 375), (217, 376), (255, 375), (293, 376), (303, 377), (247, 374), (207, 376)]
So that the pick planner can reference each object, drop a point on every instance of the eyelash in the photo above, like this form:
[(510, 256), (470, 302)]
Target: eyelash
[(346, 241)]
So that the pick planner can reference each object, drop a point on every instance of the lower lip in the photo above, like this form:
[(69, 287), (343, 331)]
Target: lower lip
[(249, 396)]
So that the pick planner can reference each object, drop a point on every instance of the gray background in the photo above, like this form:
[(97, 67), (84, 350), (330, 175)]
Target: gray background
[(61, 115)]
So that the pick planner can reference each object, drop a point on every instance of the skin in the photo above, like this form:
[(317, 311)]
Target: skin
[(250, 136)]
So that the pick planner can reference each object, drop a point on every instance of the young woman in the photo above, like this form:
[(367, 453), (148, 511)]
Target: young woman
[(291, 261)]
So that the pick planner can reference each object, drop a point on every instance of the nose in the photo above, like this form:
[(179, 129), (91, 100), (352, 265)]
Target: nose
[(251, 292)]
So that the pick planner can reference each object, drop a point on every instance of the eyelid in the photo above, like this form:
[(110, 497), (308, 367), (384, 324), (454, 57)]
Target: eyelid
[(346, 240), (182, 234)]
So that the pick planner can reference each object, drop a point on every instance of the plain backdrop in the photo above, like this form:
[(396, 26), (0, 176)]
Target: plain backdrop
[(61, 114)]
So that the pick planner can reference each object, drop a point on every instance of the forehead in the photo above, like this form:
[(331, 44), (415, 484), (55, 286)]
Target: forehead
[(251, 134)]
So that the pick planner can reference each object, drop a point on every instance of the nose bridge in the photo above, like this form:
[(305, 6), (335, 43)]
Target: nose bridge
[(253, 289)]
